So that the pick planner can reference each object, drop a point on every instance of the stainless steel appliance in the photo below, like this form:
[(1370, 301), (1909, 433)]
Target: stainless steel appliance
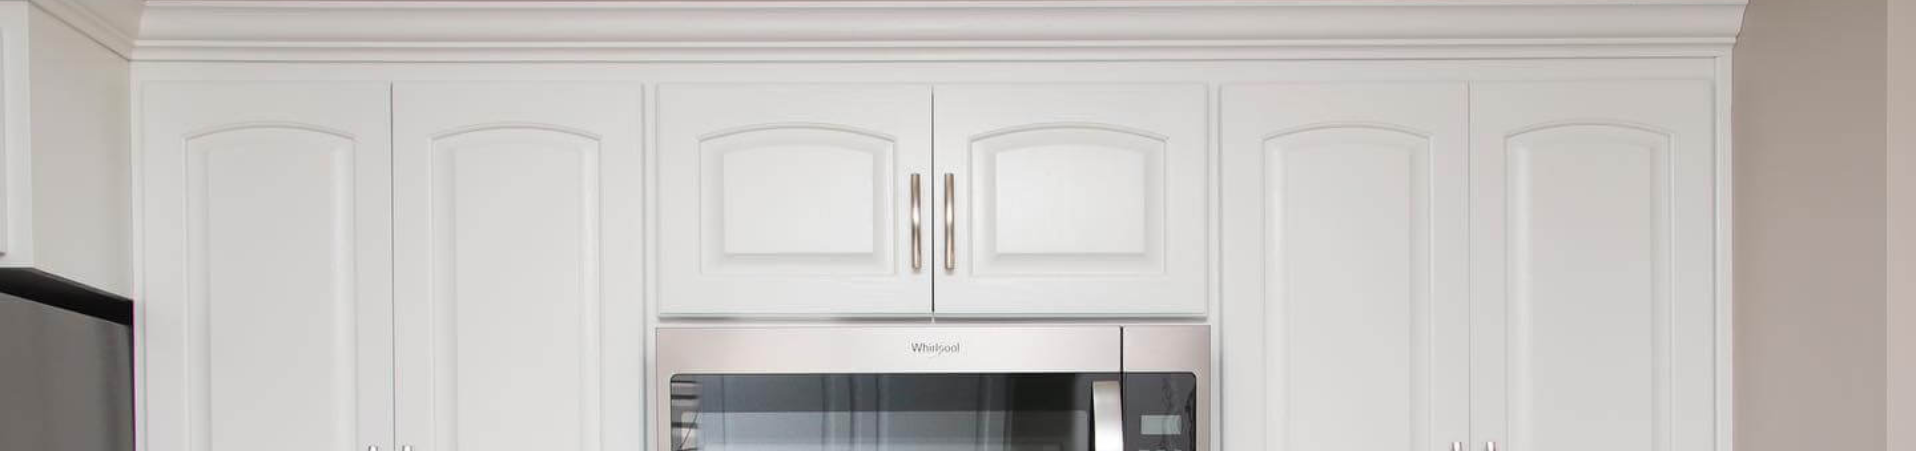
[(1090, 388)]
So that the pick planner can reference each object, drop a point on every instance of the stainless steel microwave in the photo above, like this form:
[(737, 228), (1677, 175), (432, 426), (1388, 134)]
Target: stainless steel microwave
[(1090, 388)]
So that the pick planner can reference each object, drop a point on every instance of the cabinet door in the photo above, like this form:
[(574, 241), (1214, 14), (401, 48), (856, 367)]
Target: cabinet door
[(1592, 253), (518, 258), (1345, 303), (267, 266), (794, 199), (1073, 199)]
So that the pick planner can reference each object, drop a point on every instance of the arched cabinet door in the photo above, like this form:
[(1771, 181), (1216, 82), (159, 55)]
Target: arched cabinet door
[(1345, 304), (1072, 199), (1592, 245), (794, 199), (519, 265), (267, 291)]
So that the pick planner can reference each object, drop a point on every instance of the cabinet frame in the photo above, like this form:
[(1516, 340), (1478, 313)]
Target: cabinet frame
[(1704, 62)]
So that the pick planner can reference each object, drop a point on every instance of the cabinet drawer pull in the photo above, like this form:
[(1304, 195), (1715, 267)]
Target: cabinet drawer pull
[(917, 228), (951, 210)]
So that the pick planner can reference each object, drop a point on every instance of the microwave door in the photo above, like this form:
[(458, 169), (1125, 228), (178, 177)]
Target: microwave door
[(897, 412)]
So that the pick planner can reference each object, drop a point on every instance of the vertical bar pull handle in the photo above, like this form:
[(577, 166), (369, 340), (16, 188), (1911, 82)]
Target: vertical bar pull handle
[(1107, 416), (1456, 446), (951, 210), (917, 228), (1490, 446), (372, 447)]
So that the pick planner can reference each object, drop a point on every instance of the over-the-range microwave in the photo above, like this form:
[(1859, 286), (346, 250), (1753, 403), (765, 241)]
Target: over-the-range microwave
[(974, 388)]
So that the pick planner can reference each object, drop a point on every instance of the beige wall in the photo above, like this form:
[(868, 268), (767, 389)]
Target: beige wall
[(1902, 225), (1810, 226)]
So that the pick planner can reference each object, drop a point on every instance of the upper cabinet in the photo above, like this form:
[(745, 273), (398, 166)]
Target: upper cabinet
[(1072, 199), (65, 164), (794, 199), (518, 257), (1592, 241), (268, 295), (1345, 299), (1038, 199)]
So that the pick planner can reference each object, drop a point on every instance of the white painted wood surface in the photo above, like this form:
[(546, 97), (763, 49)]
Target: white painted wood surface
[(1073, 199), (1544, 96), (1345, 299), (518, 265), (65, 201), (1594, 312), (269, 291), (1107, 30), (793, 199)]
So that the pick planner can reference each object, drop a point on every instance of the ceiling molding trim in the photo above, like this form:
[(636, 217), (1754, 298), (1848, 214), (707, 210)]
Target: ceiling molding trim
[(91, 24), (278, 30)]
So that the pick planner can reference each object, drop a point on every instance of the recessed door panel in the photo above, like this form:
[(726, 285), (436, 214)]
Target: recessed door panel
[(1110, 180), (518, 216), (1587, 304), (798, 198), (1073, 199), (1593, 247), (276, 211), (794, 199), (277, 302), (1345, 204)]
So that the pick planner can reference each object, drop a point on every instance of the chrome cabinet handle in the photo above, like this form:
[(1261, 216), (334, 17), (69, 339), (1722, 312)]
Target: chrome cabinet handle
[(917, 228), (405, 448), (951, 239), (372, 447), (1456, 446), (1107, 416), (1490, 446)]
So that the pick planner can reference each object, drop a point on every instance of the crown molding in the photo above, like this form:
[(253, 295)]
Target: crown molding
[(90, 23), (278, 30)]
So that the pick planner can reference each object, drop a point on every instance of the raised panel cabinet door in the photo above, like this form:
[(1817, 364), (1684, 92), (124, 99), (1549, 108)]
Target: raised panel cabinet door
[(519, 260), (1593, 226), (1072, 199), (267, 266), (1345, 301), (794, 199)]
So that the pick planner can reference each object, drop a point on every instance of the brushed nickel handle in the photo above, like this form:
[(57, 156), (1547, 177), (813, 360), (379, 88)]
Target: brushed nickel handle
[(405, 448), (917, 228), (951, 210), (1107, 418), (1490, 446), (1456, 446), (372, 447)]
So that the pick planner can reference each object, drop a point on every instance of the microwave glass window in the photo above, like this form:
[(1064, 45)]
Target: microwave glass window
[(883, 412)]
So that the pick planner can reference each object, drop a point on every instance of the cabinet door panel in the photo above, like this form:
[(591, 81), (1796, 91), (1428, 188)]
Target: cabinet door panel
[(1074, 199), (274, 310), (1594, 253), (1344, 297), (518, 233), (792, 199)]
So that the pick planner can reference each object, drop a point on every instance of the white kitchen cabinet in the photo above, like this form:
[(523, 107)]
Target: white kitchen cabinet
[(1592, 260), (794, 199), (65, 165), (268, 285), (1346, 307), (830, 199), (518, 263), (1072, 199)]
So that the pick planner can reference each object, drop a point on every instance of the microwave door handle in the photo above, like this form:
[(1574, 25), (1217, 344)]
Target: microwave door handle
[(1107, 416)]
